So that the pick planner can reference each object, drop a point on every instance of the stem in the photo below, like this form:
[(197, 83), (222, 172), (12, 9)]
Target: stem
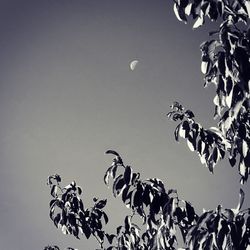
[(99, 241)]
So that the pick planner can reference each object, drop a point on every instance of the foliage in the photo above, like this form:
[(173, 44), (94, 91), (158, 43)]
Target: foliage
[(165, 217), (161, 210), (225, 63)]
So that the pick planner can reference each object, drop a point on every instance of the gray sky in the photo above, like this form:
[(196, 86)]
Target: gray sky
[(67, 95)]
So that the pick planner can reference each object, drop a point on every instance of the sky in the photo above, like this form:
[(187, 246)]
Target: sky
[(67, 95)]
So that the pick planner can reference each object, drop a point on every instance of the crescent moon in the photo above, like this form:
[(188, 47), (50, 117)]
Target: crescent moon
[(133, 64)]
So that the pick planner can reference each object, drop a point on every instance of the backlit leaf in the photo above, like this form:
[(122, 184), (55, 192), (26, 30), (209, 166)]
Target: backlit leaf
[(199, 22)]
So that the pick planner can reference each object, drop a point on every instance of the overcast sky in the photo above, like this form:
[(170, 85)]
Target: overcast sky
[(67, 95)]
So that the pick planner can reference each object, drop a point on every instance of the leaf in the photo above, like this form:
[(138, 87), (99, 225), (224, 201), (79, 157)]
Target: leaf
[(137, 199), (180, 13), (118, 185), (169, 114), (241, 200), (183, 3), (232, 161), (118, 230), (220, 7), (106, 176), (64, 229), (113, 171), (191, 144), (105, 217), (229, 99), (128, 175), (146, 195), (247, 4), (100, 235), (221, 63), (244, 148), (86, 229), (101, 204), (127, 223), (54, 190), (204, 67), (210, 163), (242, 131), (125, 194), (189, 114), (58, 178), (110, 238), (242, 169), (247, 160), (184, 129), (223, 230), (79, 190), (176, 132), (199, 22), (188, 9), (72, 219), (216, 100), (201, 147), (112, 152), (52, 203), (212, 12), (155, 205), (190, 212), (57, 219), (215, 155)]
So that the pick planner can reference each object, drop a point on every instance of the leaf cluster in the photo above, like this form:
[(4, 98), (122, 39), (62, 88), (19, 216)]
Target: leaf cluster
[(163, 214), (225, 63), (68, 213)]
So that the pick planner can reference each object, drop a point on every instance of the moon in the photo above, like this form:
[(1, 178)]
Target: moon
[(133, 64)]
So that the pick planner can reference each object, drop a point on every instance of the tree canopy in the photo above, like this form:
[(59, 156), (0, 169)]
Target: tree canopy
[(165, 217)]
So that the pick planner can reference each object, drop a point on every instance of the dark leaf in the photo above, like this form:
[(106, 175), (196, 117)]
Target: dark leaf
[(86, 230), (112, 152), (179, 214), (215, 155), (137, 199), (155, 205), (186, 128), (106, 219), (127, 223), (118, 185), (146, 195), (135, 178), (53, 191), (57, 219), (242, 131), (118, 230), (189, 114), (190, 212), (100, 235), (213, 12), (101, 204), (176, 132), (183, 3), (125, 194), (221, 63), (72, 219), (110, 238), (222, 232), (229, 85), (52, 203), (232, 161), (180, 13), (128, 175)]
